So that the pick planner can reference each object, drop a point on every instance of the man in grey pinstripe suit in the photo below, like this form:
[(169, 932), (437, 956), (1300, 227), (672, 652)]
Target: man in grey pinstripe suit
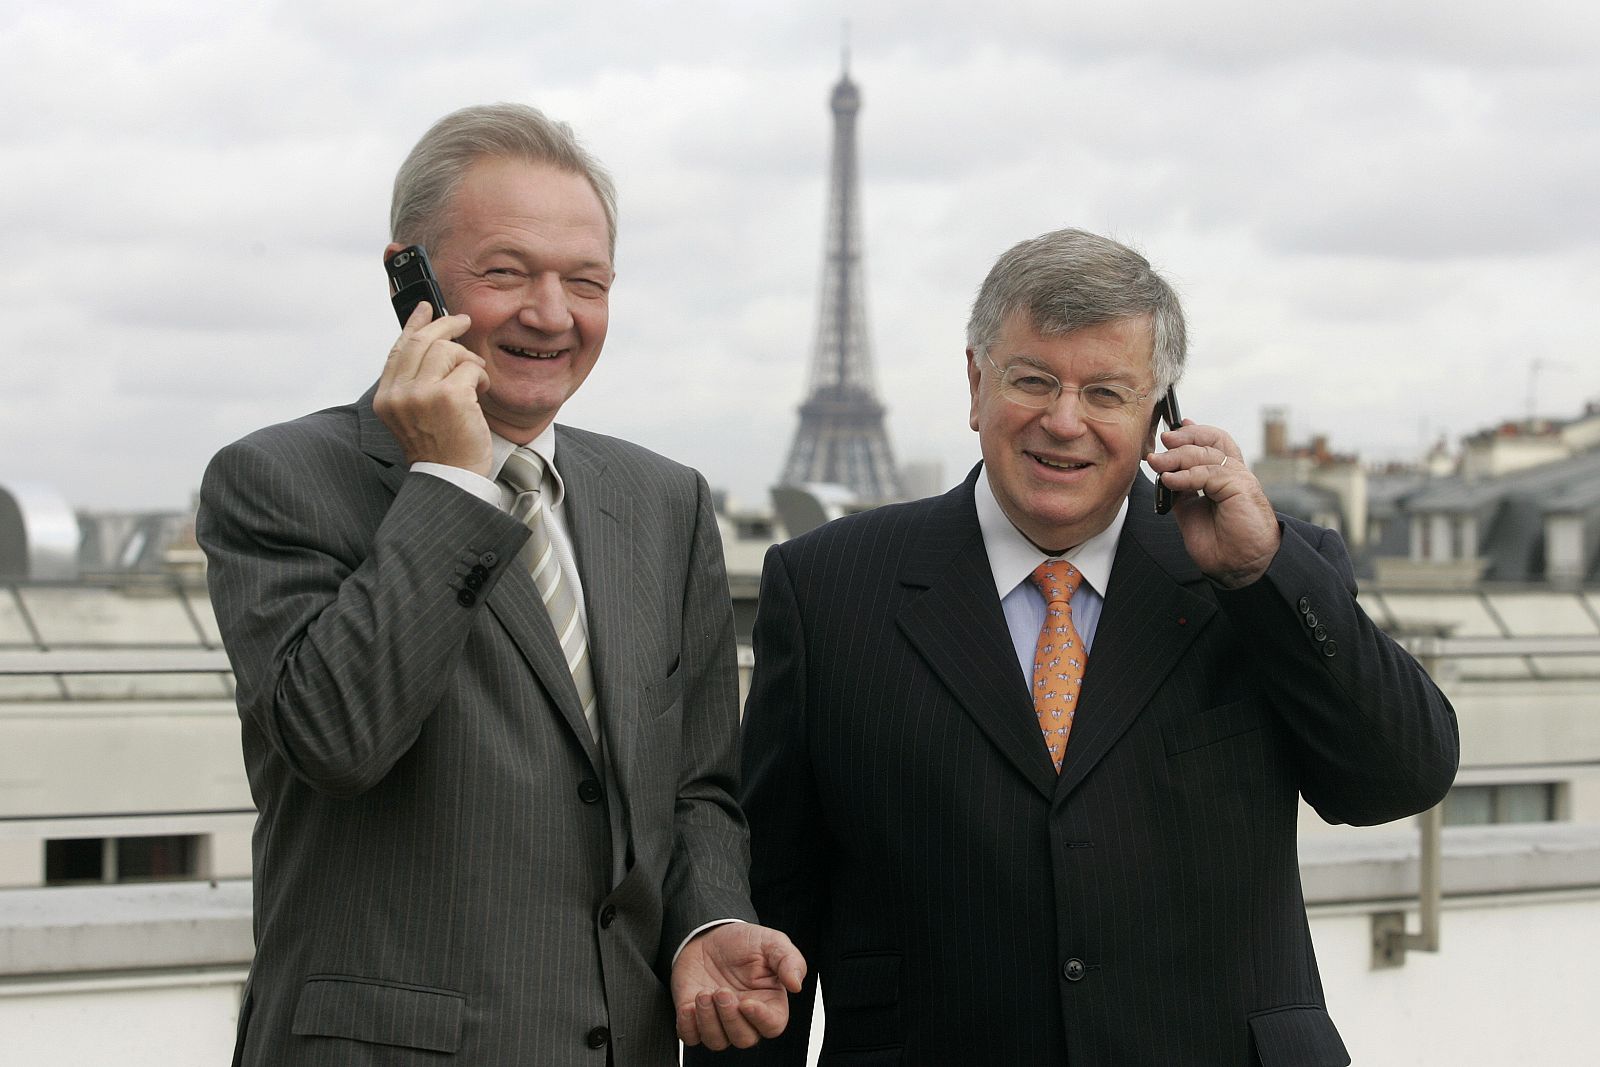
[(452, 858), (963, 898)]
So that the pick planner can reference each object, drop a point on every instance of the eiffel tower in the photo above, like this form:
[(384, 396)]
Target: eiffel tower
[(841, 437)]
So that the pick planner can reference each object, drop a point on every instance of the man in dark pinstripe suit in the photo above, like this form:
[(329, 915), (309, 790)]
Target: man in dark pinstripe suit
[(963, 898), (481, 838)]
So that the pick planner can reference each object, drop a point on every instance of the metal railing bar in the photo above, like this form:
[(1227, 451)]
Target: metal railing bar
[(115, 661)]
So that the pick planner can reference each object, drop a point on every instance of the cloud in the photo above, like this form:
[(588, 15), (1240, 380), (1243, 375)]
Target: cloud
[(1376, 214)]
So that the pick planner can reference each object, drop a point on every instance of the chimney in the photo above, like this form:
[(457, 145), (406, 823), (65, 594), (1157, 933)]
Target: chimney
[(1275, 431)]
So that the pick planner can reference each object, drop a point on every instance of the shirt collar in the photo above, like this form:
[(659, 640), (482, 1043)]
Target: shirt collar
[(544, 446), (1012, 557)]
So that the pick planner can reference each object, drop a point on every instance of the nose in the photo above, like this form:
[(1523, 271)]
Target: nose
[(544, 305), (1064, 417)]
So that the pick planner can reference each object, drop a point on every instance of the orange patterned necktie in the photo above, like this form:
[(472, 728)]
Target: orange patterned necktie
[(1059, 658)]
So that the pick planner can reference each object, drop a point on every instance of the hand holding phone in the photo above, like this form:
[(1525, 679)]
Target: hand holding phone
[(428, 395), (1229, 528)]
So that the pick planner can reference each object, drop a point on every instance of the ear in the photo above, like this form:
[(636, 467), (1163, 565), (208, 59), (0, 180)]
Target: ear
[(974, 380), (393, 247), (1156, 417)]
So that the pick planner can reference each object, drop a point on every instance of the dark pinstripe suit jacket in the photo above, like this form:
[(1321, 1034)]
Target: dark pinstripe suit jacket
[(434, 858), (965, 906)]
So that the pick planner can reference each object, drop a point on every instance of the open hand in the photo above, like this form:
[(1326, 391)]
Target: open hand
[(731, 985)]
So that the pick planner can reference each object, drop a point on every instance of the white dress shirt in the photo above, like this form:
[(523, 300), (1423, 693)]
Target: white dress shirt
[(491, 491), (1012, 558)]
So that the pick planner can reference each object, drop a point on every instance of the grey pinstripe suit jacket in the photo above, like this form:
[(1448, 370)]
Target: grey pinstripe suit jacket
[(434, 857), (964, 905)]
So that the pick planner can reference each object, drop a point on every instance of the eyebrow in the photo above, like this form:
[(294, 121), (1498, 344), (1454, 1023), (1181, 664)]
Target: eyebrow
[(1117, 377), (521, 256)]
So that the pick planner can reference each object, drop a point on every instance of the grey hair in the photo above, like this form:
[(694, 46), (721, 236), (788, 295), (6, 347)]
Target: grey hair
[(433, 171), (1067, 279)]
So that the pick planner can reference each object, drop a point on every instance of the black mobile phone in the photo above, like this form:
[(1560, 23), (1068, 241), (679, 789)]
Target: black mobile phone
[(411, 281), (1167, 412)]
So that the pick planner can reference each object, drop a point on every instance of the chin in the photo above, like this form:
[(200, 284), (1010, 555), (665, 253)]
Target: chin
[(521, 418), (1060, 533)]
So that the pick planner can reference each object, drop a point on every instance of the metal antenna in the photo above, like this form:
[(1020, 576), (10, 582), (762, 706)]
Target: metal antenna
[(1536, 366)]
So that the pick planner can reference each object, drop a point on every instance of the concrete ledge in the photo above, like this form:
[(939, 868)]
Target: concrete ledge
[(1524, 858), (73, 929), (155, 925), (144, 824)]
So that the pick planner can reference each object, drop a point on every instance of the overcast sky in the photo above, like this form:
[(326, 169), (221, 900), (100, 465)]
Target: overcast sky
[(1379, 214)]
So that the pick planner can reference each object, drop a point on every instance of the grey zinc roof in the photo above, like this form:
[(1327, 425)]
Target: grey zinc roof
[(1581, 490), (1387, 491), (1535, 485), (1301, 500), (1514, 542)]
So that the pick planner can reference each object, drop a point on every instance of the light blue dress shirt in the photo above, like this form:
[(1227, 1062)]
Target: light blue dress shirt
[(1012, 558)]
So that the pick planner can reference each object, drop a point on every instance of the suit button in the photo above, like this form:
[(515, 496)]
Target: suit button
[(589, 791), (1330, 649), (608, 915), (1311, 619), (1320, 633), (473, 581), (599, 1037), (489, 559), (1304, 605), (466, 598), (1073, 970)]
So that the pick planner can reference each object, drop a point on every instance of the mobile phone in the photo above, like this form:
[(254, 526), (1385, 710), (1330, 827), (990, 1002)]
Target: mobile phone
[(411, 281), (1167, 412)]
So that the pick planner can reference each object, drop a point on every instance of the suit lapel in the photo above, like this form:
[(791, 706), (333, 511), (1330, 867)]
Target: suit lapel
[(514, 601), (956, 624), (1157, 605)]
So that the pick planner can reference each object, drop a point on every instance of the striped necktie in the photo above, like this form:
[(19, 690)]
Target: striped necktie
[(1059, 657), (524, 474)]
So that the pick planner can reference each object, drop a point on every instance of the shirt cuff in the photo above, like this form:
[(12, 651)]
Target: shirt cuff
[(471, 481), (697, 931)]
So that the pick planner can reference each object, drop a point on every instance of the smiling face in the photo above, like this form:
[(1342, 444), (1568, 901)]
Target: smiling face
[(1060, 478), (525, 254)]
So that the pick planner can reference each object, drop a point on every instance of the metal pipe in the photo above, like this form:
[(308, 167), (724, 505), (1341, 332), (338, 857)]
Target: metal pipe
[(1430, 882)]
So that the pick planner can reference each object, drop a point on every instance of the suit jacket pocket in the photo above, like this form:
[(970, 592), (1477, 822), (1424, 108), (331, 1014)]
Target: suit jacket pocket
[(861, 995), (1298, 1036), (1188, 732), (663, 695), (384, 1013)]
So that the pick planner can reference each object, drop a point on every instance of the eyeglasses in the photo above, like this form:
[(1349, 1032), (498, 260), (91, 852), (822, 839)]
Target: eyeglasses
[(1028, 386)]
